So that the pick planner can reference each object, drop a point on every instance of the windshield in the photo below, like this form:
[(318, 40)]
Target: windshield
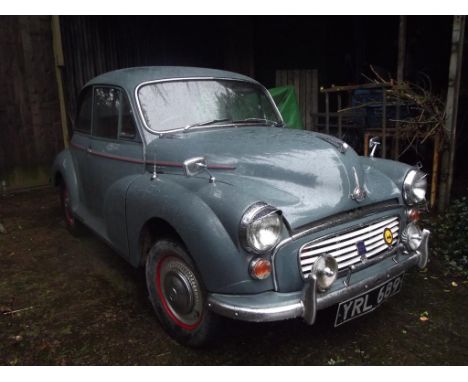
[(186, 103)]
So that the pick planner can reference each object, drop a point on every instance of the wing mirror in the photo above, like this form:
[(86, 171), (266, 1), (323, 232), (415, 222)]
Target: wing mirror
[(373, 143), (194, 166)]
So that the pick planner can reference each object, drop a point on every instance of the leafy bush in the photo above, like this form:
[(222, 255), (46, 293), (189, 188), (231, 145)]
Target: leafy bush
[(450, 237)]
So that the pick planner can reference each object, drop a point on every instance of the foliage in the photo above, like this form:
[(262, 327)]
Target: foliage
[(427, 117), (450, 237)]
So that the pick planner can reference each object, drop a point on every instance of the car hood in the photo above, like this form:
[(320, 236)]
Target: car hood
[(302, 173)]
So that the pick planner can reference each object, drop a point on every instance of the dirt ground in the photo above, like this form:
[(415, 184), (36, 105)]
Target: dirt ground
[(68, 301)]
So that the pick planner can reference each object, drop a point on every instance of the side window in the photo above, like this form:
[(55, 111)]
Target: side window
[(83, 122), (127, 126), (106, 112)]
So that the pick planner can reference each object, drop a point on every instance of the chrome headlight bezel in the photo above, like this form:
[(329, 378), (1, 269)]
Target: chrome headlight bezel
[(415, 187), (254, 214)]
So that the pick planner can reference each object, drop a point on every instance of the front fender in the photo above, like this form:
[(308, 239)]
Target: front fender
[(184, 203), (395, 170), (63, 165)]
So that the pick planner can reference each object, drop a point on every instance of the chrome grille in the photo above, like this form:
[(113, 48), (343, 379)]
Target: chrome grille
[(343, 246)]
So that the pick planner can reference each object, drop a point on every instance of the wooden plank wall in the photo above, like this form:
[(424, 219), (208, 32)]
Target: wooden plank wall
[(96, 44), (306, 85), (30, 132)]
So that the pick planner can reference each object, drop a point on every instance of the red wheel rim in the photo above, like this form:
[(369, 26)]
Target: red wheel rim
[(69, 219), (165, 303)]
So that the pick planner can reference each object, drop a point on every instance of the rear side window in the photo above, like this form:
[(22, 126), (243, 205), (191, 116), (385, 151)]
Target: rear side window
[(83, 122), (106, 112)]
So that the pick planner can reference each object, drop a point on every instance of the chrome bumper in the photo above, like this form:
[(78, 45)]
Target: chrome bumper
[(275, 306)]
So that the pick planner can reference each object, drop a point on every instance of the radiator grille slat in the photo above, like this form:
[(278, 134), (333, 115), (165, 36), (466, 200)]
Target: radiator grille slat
[(343, 247)]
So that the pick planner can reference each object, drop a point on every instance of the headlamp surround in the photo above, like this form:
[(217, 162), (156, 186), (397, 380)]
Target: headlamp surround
[(260, 228), (414, 187)]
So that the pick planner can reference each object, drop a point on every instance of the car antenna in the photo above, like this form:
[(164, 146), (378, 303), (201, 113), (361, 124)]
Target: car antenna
[(155, 174)]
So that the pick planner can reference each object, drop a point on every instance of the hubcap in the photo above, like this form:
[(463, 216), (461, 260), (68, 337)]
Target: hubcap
[(178, 291), (181, 291)]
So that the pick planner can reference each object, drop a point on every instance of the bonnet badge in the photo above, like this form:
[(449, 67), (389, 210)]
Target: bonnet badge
[(362, 250), (388, 236)]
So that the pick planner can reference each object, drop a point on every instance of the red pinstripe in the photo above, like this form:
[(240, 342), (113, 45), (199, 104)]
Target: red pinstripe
[(139, 161)]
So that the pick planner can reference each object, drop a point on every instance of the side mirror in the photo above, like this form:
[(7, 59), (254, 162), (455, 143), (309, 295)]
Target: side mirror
[(373, 143), (194, 166)]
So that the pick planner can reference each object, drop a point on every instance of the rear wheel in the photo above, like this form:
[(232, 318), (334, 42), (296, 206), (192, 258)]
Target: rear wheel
[(177, 294), (73, 226)]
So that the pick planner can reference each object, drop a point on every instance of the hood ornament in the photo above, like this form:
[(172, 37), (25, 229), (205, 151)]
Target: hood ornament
[(359, 193)]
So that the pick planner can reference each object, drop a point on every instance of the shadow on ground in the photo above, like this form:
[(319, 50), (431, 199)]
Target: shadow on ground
[(71, 301)]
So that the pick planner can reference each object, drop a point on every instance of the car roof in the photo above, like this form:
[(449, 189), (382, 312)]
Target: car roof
[(130, 78)]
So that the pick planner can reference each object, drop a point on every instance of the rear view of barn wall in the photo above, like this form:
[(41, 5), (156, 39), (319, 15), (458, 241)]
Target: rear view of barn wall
[(30, 130)]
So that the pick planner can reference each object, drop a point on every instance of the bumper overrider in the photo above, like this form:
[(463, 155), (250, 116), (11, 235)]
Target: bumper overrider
[(276, 306)]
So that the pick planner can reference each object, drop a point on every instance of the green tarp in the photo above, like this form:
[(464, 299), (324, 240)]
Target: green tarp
[(285, 99)]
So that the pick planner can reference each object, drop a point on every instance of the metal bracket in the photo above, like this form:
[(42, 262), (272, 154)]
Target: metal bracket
[(205, 167), (348, 275)]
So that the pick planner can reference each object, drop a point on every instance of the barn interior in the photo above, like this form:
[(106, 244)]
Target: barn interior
[(46, 61), (73, 301)]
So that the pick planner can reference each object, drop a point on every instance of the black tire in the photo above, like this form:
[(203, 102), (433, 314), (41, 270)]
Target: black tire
[(73, 226), (177, 294)]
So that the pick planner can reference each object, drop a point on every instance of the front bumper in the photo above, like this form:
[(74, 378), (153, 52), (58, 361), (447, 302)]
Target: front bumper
[(275, 306)]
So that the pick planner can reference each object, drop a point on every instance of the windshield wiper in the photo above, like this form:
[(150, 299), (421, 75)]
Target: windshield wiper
[(206, 123), (231, 121), (261, 120)]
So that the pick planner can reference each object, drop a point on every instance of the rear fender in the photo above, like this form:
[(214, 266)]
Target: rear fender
[(63, 166)]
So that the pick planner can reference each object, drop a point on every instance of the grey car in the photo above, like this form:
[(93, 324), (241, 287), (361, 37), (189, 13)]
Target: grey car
[(192, 174)]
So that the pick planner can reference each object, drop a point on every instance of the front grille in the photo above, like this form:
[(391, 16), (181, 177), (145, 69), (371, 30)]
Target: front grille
[(343, 246)]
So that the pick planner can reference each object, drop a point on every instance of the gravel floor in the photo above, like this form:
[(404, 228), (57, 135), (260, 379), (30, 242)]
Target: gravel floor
[(68, 301)]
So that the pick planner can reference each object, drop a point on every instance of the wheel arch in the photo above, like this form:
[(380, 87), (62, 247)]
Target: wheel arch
[(63, 171), (171, 205), (153, 230)]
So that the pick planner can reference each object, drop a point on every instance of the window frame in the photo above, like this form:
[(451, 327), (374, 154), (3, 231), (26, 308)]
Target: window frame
[(182, 79), (123, 93), (81, 98), (137, 137)]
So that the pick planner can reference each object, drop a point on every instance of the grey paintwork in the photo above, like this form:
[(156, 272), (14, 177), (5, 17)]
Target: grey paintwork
[(300, 173)]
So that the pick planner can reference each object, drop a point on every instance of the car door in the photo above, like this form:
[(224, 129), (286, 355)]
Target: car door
[(79, 146), (116, 158)]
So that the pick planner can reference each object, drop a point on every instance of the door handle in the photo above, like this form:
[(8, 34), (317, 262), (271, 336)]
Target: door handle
[(88, 150)]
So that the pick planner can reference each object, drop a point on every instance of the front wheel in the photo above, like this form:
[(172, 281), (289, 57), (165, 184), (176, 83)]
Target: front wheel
[(177, 294)]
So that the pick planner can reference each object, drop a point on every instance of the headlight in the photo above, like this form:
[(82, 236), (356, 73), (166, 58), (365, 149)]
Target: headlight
[(414, 187), (260, 228), (412, 236)]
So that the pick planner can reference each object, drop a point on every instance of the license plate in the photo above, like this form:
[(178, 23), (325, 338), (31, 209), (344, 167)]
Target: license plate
[(366, 303)]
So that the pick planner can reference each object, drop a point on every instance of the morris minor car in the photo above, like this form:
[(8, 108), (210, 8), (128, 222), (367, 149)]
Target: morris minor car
[(192, 174)]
